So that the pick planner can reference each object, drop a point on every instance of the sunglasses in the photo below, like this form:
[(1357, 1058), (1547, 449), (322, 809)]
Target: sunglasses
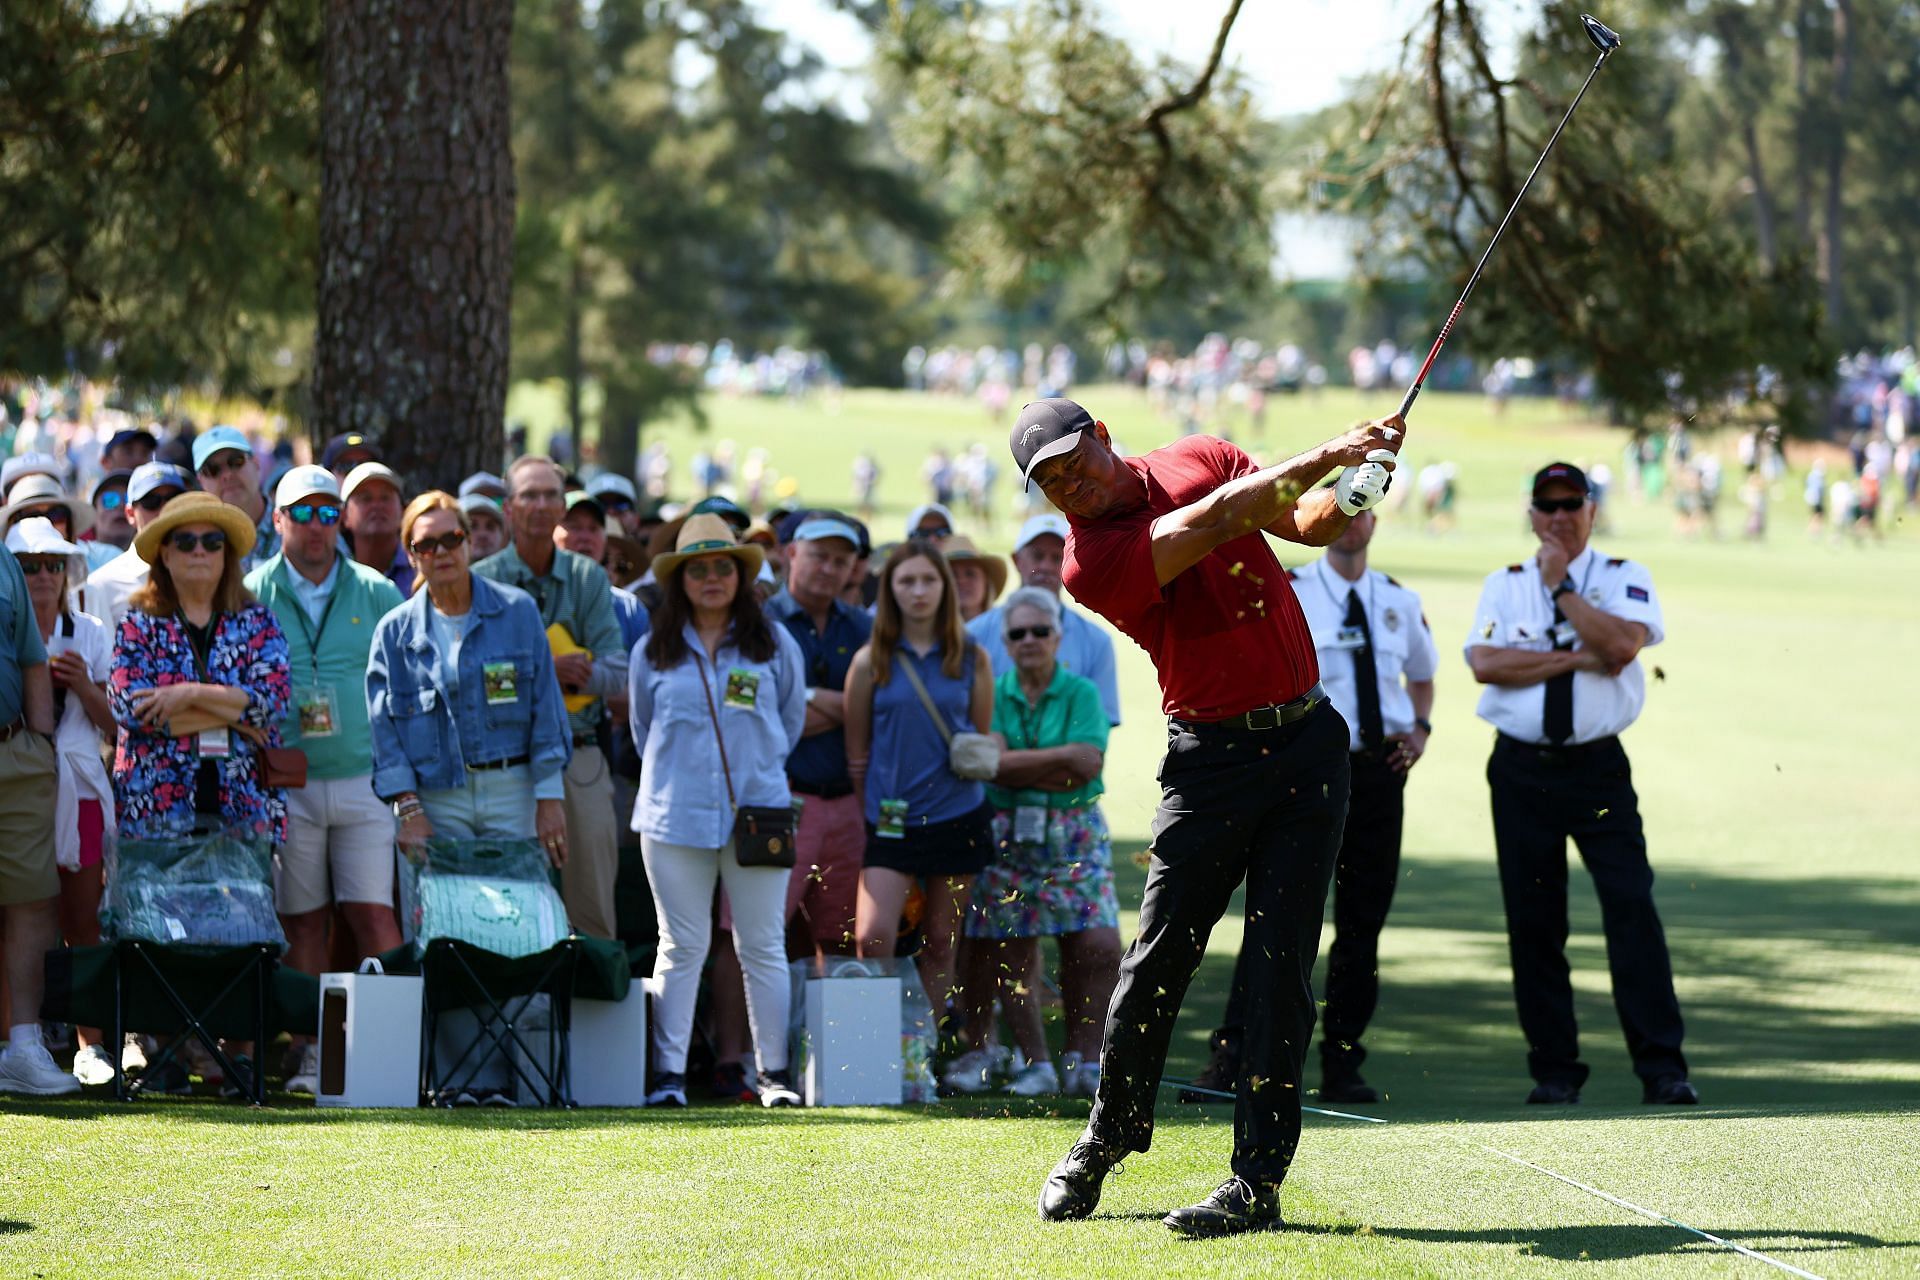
[(445, 542), (112, 501), (938, 531), (58, 515), (212, 540), (215, 468), (1547, 506), (157, 499), (308, 512), (32, 565), (701, 570), (1021, 633), (615, 506)]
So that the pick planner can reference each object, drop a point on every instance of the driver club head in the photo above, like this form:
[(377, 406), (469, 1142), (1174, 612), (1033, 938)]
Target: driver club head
[(1604, 38)]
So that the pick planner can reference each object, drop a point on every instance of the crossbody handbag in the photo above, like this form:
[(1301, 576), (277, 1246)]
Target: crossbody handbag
[(762, 835), (974, 756)]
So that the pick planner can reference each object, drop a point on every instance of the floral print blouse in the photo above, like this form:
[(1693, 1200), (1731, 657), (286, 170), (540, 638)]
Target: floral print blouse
[(153, 774)]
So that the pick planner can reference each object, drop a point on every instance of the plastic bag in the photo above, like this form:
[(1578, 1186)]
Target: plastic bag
[(494, 894), (199, 889)]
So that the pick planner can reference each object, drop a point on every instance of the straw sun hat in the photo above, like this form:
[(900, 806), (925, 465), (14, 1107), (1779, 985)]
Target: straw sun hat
[(197, 507), (705, 534)]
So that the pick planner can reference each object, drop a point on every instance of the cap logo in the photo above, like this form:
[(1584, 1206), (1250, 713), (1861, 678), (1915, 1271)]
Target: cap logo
[(1026, 436)]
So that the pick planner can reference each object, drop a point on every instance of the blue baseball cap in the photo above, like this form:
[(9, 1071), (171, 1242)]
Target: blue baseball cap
[(130, 435), (214, 439), (149, 476)]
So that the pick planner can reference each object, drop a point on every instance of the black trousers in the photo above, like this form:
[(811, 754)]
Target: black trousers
[(1267, 808), (1540, 798), (1363, 883)]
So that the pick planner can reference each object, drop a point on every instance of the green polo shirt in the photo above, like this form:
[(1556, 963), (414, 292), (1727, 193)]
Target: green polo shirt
[(329, 654), (1070, 711), (575, 591)]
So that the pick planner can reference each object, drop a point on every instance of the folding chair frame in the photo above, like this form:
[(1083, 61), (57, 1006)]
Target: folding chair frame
[(497, 1032), (259, 966)]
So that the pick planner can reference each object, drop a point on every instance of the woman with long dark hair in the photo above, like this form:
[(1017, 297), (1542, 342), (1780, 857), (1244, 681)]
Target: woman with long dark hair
[(926, 825), (715, 707)]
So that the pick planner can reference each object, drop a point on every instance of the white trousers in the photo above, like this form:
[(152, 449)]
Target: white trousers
[(682, 879)]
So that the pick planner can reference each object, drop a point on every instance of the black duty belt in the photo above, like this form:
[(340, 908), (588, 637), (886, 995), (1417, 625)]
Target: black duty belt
[(1567, 753), (1262, 719), (832, 791), (477, 766)]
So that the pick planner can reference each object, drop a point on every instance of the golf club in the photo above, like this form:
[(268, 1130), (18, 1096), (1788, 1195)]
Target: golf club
[(1606, 41)]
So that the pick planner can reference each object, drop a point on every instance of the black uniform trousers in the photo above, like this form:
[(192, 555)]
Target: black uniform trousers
[(1541, 796), (1266, 807), (1364, 878)]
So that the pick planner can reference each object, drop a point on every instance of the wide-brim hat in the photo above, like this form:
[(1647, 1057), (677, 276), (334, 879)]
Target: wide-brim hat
[(705, 535), (960, 547), (198, 507), (36, 490), (36, 536)]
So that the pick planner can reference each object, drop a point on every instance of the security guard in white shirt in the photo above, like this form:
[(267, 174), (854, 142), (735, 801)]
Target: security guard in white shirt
[(1555, 641), (1377, 661)]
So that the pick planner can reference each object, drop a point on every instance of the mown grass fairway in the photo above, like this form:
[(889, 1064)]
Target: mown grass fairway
[(1778, 777)]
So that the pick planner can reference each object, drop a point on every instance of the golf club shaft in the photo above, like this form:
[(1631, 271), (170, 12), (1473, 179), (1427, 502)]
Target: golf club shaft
[(1446, 330)]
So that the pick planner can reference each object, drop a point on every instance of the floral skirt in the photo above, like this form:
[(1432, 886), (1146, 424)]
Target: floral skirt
[(1036, 891)]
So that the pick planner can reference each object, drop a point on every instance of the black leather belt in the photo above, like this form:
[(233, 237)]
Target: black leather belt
[(476, 766), (1566, 753), (833, 792), (1262, 719)]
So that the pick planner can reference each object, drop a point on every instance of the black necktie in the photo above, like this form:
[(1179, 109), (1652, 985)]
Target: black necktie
[(1559, 718), (1372, 732)]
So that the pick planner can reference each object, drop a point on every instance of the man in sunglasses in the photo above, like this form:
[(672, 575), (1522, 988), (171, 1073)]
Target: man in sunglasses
[(112, 517), (1556, 642), (223, 459), (339, 846), (109, 587)]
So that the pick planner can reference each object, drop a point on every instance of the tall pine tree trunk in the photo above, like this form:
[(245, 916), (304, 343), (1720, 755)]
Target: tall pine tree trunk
[(416, 232), (1832, 229)]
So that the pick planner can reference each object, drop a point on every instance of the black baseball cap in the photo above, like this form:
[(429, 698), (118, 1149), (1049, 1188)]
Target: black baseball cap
[(350, 442), (1561, 473), (1046, 429), (129, 435)]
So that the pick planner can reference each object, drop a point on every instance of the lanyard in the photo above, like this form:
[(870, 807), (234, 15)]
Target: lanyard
[(199, 660), (307, 632), (1339, 602), (1593, 562)]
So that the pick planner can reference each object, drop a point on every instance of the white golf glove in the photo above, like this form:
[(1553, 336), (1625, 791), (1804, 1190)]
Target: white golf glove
[(1361, 488)]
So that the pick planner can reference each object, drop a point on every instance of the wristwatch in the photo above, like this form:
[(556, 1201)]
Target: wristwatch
[(1425, 726), (1566, 584)]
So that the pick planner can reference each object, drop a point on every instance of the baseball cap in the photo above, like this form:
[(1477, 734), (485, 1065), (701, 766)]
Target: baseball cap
[(472, 503), (581, 498), (484, 483), (304, 482), (149, 476), (1561, 473), (607, 483), (370, 471), (129, 435), (820, 525), (726, 508), (1046, 429), (349, 442), (919, 513), (122, 476), (1039, 527), (28, 464), (214, 439)]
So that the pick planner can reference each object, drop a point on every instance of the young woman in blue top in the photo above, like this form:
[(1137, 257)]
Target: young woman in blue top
[(926, 825), (717, 700), (470, 736)]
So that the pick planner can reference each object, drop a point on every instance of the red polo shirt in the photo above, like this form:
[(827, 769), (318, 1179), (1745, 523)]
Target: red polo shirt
[(1227, 635)]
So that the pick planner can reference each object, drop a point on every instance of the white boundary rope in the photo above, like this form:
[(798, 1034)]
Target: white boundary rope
[(1650, 1214)]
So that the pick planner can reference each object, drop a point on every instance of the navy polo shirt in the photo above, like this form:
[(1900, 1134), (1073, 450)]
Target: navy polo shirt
[(819, 763)]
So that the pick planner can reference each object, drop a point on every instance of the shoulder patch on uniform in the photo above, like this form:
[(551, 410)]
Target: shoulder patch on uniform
[(1391, 579), (1637, 593), (1615, 564), (1516, 568)]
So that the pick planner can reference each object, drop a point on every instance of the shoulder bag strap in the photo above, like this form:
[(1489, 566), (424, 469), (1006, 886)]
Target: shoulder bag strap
[(903, 660), (726, 771)]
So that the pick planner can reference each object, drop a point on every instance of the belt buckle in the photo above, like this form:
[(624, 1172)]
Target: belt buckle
[(1272, 716)]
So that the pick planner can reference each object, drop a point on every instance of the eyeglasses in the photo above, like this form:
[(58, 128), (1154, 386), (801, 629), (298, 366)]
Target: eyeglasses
[(213, 468), (213, 540), (112, 500), (1547, 506), (31, 565), (308, 512), (157, 499), (1021, 633), (445, 542), (701, 570)]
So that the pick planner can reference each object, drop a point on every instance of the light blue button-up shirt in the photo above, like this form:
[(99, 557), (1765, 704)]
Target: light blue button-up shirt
[(1085, 650), (683, 788)]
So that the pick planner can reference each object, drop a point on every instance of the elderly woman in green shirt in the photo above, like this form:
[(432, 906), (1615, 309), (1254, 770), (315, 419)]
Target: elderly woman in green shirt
[(1053, 870)]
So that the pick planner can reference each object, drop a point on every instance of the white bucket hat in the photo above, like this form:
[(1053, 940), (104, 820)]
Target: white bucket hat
[(36, 536)]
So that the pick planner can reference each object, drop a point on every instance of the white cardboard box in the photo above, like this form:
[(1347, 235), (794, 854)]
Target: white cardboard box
[(853, 1042), (369, 1040), (607, 1053)]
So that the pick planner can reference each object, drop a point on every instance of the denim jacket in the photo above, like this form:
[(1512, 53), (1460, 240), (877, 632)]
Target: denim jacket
[(683, 793), (422, 739)]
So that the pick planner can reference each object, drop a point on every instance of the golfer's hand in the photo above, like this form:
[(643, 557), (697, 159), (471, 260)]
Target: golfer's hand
[(550, 827), (1361, 488), (1351, 449)]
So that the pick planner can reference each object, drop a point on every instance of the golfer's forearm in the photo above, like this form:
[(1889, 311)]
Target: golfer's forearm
[(1515, 668), (1318, 519), (1252, 502)]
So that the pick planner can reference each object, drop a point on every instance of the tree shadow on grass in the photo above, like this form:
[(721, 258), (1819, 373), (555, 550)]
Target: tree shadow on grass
[(9, 1227), (1619, 1242)]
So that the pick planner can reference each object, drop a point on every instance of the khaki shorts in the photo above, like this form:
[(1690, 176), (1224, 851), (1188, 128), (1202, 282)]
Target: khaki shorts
[(27, 871), (339, 847)]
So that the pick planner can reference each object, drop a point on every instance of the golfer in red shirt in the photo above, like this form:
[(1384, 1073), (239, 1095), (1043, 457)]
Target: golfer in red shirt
[(1171, 549)]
